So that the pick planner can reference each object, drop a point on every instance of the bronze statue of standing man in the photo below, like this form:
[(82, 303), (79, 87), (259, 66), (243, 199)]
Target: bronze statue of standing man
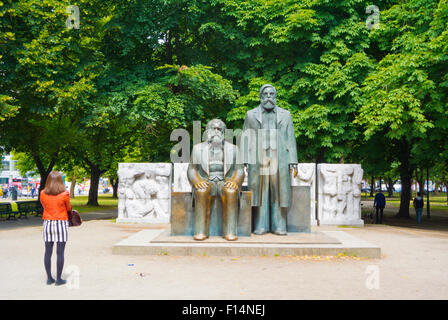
[(274, 154)]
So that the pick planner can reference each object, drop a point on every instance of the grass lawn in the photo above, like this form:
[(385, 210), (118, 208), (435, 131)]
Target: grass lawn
[(105, 201), (79, 203), (438, 202)]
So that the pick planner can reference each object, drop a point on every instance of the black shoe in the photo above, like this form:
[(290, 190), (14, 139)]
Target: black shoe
[(50, 281), (60, 282)]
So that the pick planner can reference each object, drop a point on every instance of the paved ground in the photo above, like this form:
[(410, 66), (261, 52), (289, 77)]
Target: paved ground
[(413, 266)]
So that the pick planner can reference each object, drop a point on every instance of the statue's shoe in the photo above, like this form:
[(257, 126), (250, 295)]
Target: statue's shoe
[(200, 237), (230, 237), (280, 232), (260, 232)]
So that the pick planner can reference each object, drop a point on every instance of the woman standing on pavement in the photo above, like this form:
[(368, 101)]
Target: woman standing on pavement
[(56, 202)]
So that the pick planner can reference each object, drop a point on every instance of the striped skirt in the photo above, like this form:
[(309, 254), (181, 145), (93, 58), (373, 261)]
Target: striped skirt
[(55, 230)]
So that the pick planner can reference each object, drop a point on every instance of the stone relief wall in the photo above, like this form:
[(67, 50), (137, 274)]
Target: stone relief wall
[(306, 176), (339, 194), (144, 192)]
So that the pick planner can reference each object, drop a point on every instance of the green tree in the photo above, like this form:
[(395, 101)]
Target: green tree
[(47, 73), (405, 96)]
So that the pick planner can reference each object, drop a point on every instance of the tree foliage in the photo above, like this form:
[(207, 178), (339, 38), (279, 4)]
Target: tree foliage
[(114, 89)]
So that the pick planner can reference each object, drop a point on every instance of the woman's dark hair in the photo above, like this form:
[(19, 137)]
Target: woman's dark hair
[(419, 193), (54, 184)]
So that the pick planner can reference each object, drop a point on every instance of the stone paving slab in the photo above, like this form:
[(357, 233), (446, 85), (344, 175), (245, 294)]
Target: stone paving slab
[(291, 238), (147, 242)]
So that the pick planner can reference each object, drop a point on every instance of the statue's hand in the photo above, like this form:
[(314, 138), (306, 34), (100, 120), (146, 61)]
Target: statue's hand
[(293, 168), (231, 185), (201, 185)]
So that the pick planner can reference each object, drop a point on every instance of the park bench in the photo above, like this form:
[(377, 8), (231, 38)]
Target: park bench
[(25, 207), (6, 210)]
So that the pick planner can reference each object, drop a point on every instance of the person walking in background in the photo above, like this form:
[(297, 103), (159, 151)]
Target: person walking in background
[(418, 205), (33, 191), (379, 203), (56, 202)]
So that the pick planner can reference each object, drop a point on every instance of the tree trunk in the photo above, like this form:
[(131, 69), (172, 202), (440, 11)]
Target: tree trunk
[(169, 48), (72, 187), (372, 186), (390, 187), (436, 188), (177, 48), (419, 181), (320, 157), (406, 180), (114, 188), (95, 174), (43, 172), (43, 180)]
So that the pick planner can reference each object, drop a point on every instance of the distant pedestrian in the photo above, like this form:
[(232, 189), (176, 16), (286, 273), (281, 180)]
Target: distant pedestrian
[(33, 191), (379, 203), (14, 193), (56, 202), (418, 205)]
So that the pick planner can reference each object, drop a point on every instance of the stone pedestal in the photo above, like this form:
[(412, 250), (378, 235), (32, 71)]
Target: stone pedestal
[(298, 218), (182, 215), (323, 243), (306, 176)]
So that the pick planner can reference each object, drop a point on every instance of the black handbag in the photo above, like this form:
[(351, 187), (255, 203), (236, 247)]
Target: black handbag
[(74, 219)]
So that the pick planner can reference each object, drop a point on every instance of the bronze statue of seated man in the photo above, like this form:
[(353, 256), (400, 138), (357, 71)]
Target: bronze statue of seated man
[(214, 172)]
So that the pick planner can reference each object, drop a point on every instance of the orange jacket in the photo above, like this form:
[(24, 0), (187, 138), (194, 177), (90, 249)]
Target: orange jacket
[(55, 207)]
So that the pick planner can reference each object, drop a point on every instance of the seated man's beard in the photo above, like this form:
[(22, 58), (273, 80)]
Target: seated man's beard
[(215, 139), (268, 104)]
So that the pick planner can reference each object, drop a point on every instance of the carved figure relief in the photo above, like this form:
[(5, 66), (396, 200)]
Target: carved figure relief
[(339, 193), (144, 192)]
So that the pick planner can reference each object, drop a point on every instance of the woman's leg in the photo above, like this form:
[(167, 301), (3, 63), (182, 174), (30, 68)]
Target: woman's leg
[(47, 260), (60, 259)]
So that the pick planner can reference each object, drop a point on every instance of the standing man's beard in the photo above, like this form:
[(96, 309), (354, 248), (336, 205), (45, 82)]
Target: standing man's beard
[(268, 104)]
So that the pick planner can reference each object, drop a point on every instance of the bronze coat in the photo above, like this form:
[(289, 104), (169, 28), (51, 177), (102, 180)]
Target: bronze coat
[(198, 169), (286, 148)]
